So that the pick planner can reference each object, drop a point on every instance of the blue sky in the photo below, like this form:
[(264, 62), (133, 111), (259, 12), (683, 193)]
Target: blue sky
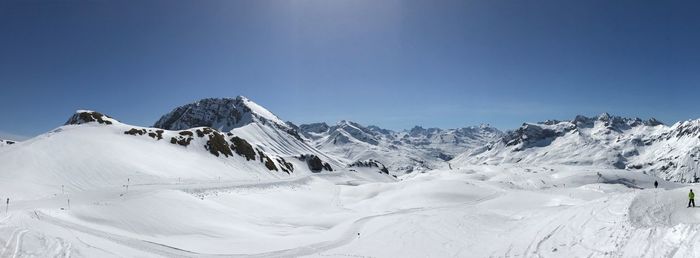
[(390, 63)]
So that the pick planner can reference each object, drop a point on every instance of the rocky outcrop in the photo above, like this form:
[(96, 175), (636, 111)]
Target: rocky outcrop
[(6, 142), (315, 163), (242, 148), (543, 133), (222, 145), (224, 114), (85, 116), (217, 145), (370, 163)]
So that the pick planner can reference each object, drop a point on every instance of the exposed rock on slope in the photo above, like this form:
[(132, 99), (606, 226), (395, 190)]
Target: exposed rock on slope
[(403, 152), (223, 114), (87, 116), (6, 143), (646, 146)]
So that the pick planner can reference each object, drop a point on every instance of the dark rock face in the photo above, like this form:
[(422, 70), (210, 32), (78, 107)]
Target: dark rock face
[(217, 144), (155, 134), (88, 117), (269, 164), (543, 133), (370, 163), (182, 141), (224, 114), (315, 163), (204, 131), (134, 131), (204, 113), (243, 148), (327, 167), (533, 135), (158, 134), (285, 166)]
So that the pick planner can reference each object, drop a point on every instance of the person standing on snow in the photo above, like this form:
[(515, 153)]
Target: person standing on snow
[(691, 196), (656, 184)]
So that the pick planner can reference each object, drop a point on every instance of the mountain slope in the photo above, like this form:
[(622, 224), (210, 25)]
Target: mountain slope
[(94, 150), (243, 117), (402, 152), (605, 141)]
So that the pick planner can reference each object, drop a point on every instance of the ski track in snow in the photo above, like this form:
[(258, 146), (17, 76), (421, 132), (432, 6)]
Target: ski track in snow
[(624, 222), (169, 251)]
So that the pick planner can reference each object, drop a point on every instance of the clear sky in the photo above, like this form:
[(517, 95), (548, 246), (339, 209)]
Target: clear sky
[(394, 64)]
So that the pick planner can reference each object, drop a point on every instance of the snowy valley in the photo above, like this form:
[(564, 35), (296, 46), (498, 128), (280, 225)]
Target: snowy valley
[(228, 178)]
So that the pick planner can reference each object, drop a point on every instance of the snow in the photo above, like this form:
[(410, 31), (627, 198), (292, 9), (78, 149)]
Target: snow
[(223, 114), (261, 111), (474, 211), (560, 197), (615, 142), (401, 152)]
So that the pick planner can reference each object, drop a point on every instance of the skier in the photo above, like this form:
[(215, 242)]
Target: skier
[(691, 197), (656, 184)]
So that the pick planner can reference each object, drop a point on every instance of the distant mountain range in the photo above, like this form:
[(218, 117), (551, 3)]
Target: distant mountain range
[(644, 146), (240, 138), (417, 149)]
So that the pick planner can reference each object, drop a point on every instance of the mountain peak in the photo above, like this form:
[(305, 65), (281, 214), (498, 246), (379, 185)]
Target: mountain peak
[(605, 116), (223, 114)]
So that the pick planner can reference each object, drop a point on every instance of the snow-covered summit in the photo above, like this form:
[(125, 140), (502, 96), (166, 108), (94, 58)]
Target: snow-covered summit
[(223, 114), (87, 116)]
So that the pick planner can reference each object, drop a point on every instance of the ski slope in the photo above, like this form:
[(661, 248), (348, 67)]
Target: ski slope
[(96, 187), (475, 211)]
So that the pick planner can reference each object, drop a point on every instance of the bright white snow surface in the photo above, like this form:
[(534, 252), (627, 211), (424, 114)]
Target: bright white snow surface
[(473, 211)]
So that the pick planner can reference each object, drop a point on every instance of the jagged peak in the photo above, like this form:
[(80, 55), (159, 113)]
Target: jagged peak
[(346, 123), (607, 118), (221, 113)]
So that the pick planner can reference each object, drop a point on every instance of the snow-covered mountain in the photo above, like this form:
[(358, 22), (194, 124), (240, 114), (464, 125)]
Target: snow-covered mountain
[(548, 189), (243, 117), (402, 152), (93, 150), (610, 141), (223, 114)]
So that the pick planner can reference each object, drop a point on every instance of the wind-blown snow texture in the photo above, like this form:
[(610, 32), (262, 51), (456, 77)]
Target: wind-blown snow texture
[(226, 177)]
